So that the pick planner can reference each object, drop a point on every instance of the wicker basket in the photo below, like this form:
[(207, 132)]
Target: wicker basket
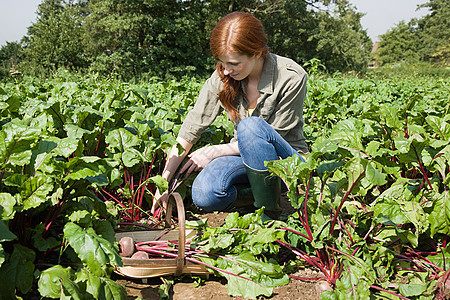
[(147, 268)]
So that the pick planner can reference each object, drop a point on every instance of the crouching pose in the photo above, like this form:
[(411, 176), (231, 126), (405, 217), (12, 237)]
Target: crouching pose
[(263, 95)]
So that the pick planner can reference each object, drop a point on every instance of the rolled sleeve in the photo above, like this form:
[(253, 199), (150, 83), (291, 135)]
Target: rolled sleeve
[(206, 109)]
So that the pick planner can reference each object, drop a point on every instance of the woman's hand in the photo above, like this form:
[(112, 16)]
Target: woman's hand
[(160, 201), (200, 158), (203, 156)]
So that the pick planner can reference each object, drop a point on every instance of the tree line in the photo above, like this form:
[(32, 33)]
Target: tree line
[(426, 39), (170, 38)]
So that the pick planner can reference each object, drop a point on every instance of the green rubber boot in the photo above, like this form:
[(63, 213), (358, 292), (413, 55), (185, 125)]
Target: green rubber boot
[(244, 200), (266, 192), (244, 195)]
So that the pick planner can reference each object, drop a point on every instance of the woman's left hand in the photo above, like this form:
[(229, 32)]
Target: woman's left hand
[(200, 158)]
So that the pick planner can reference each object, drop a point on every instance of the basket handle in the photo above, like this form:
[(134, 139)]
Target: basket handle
[(181, 229)]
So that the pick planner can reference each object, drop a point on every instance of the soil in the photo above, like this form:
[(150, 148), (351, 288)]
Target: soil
[(215, 288)]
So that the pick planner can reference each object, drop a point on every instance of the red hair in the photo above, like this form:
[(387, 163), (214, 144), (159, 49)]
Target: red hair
[(241, 33)]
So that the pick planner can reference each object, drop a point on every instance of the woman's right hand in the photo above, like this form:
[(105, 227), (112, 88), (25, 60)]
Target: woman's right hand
[(160, 201)]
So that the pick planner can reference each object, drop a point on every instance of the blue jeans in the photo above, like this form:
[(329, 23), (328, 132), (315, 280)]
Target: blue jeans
[(214, 188)]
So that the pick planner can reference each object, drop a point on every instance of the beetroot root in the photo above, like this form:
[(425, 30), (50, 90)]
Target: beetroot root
[(140, 255), (126, 245)]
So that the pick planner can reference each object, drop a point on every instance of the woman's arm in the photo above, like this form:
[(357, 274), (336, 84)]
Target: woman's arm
[(203, 156), (174, 160)]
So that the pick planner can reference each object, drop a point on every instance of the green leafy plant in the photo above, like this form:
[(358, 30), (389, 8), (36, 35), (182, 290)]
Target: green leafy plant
[(244, 251)]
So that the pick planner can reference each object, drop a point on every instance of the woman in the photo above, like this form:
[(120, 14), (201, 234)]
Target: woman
[(263, 95)]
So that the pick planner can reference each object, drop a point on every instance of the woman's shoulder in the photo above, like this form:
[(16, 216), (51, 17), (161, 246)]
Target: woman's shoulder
[(286, 65), (214, 81)]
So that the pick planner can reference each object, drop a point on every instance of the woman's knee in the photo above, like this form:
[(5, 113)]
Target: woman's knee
[(202, 198), (211, 189), (209, 199), (249, 127)]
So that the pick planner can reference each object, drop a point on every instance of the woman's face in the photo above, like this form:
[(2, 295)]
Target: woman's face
[(237, 66)]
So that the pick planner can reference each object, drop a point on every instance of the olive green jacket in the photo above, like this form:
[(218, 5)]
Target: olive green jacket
[(282, 87)]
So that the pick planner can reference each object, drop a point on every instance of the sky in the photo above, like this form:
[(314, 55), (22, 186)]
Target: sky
[(381, 15)]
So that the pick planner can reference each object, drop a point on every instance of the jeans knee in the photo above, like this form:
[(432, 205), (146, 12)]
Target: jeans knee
[(248, 127), (209, 199), (202, 199)]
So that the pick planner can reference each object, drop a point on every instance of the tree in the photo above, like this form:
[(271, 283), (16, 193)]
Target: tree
[(10, 55), (401, 43), (435, 32), (158, 37), (341, 42), (167, 38), (54, 41), (425, 39)]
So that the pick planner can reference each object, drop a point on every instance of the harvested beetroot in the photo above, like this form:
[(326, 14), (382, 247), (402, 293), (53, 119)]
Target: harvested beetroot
[(126, 246), (140, 255)]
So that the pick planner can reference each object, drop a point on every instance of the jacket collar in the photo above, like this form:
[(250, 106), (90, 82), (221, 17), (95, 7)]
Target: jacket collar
[(267, 79)]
